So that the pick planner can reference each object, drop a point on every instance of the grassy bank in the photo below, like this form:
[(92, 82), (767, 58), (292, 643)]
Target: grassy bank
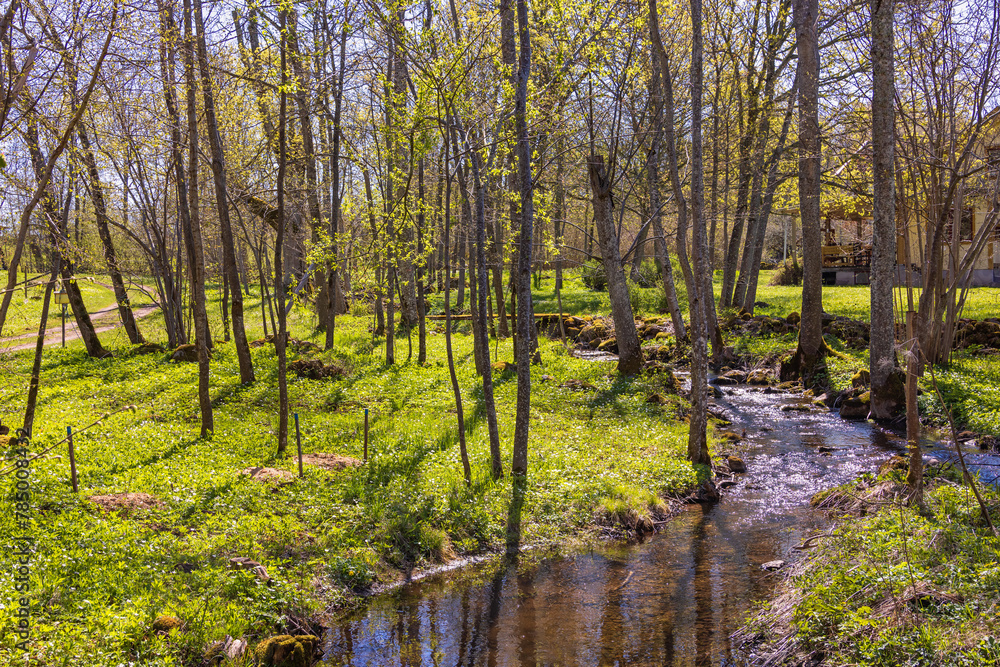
[(600, 456), (891, 586)]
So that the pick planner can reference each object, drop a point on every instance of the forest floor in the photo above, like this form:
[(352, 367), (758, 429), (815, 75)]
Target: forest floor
[(161, 512)]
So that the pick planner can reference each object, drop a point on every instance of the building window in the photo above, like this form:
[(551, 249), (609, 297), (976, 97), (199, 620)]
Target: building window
[(965, 231), (993, 158)]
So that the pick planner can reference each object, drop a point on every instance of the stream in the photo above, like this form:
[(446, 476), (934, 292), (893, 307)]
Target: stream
[(673, 599)]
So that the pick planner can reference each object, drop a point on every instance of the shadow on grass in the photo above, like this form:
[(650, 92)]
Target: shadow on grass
[(611, 397), (166, 455), (206, 500)]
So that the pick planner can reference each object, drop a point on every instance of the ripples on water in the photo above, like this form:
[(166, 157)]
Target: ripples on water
[(673, 600)]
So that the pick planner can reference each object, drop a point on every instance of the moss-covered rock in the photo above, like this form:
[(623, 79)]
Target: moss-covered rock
[(899, 463), (187, 353), (287, 651), (760, 377), (861, 379), (165, 623), (656, 399), (855, 407), (502, 367), (593, 332)]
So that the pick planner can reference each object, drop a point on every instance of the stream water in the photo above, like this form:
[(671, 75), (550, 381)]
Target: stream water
[(671, 600)]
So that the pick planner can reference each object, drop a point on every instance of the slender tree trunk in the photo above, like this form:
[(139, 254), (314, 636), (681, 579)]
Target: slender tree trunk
[(482, 278), (629, 352), (456, 389), (306, 167), (196, 257), (229, 268), (560, 212), (36, 366), (915, 473), (885, 381), (714, 213), (480, 351), (61, 259), (168, 45), (662, 253), (333, 284), (280, 338), (101, 218), (379, 312), (460, 258), (420, 270)]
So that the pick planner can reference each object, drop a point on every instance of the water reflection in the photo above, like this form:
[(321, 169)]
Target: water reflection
[(673, 600)]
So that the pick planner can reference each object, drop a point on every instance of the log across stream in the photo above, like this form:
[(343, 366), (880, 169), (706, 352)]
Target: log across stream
[(674, 599)]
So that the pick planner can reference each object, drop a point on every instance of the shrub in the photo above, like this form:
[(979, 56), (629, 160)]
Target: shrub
[(647, 275), (594, 276), (789, 273)]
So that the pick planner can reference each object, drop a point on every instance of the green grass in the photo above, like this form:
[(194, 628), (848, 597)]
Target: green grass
[(853, 301), (99, 581)]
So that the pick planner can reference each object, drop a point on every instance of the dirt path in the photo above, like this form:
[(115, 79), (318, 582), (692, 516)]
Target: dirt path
[(104, 320)]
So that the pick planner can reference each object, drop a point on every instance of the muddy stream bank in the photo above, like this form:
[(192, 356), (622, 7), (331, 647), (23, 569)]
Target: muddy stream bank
[(671, 600)]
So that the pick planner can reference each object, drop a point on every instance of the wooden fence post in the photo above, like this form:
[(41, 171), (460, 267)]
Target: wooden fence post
[(298, 442), (72, 459)]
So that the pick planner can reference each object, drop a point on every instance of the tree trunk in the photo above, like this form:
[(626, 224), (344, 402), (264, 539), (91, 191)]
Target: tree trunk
[(335, 299), (811, 346), (279, 287), (915, 474), (421, 272), (482, 278), (36, 366), (661, 253), (61, 259), (525, 319), (231, 273), (629, 352), (101, 218), (456, 389), (372, 223), (196, 258), (701, 300), (885, 380)]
